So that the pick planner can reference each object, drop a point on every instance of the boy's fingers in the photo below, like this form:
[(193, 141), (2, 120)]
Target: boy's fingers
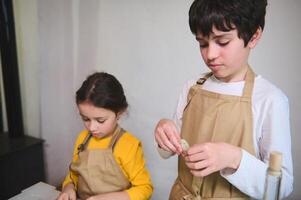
[(203, 172), (174, 138), (163, 146), (160, 142), (197, 165), (168, 137), (195, 157), (163, 141), (175, 132), (198, 148), (168, 142)]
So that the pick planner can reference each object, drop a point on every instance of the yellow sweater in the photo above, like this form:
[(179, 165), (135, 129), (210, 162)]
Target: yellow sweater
[(128, 153)]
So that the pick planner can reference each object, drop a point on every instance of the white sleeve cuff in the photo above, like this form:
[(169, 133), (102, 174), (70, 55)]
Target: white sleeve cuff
[(249, 177), (163, 153)]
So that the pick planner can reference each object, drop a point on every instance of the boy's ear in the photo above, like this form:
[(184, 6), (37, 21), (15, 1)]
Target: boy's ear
[(255, 38)]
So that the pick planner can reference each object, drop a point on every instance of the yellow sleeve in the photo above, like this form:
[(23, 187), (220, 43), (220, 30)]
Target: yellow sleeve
[(133, 164), (71, 177)]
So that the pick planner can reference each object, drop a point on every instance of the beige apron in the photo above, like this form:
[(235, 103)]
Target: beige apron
[(97, 170), (213, 117)]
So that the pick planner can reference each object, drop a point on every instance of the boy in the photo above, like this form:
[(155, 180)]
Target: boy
[(231, 117)]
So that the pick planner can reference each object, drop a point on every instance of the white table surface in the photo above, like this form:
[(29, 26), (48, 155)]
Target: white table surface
[(38, 191)]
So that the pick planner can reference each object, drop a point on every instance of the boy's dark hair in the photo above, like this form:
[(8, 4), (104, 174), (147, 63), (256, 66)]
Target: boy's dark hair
[(102, 90), (244, 15)]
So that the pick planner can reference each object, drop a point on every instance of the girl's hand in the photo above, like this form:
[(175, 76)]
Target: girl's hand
[(204, 159), (167, 136), (68, 193)]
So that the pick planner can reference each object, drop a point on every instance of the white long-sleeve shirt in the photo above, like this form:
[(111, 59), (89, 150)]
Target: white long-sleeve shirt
[(271, 132)]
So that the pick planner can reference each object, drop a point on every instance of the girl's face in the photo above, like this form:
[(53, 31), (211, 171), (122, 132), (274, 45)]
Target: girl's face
[(225, 54), (100, 122)]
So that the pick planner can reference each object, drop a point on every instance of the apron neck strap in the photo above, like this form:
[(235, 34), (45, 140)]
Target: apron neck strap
[(249, 83), (116, 135), (83, 145), (202, 80)]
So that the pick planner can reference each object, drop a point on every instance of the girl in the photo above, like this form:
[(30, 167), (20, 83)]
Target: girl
[(108, 161)]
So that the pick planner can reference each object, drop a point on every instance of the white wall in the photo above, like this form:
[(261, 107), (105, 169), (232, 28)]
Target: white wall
[(148, 46)]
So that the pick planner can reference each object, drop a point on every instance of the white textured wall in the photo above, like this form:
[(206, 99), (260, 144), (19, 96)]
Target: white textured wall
[(148, 46)]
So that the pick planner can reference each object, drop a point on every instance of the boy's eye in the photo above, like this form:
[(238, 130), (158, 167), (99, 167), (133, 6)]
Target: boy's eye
[(203, 45), (223, 42)]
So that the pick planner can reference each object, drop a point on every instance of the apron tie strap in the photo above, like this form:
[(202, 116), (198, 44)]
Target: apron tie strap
[(202, 80), (117, 134), (83, 145), (249, 83)]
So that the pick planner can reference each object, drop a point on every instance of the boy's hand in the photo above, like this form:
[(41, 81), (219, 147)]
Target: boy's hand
[(204, 159), (68, 193), (167, 136)]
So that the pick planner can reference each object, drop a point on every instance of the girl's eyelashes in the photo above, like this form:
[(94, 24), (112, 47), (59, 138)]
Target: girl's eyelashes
[(85, 119), (101, 121)]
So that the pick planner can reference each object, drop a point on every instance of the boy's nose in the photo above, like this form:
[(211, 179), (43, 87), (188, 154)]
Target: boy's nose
[(212, 52)]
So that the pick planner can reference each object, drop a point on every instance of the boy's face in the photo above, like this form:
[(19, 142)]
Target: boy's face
[(225, 54)]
